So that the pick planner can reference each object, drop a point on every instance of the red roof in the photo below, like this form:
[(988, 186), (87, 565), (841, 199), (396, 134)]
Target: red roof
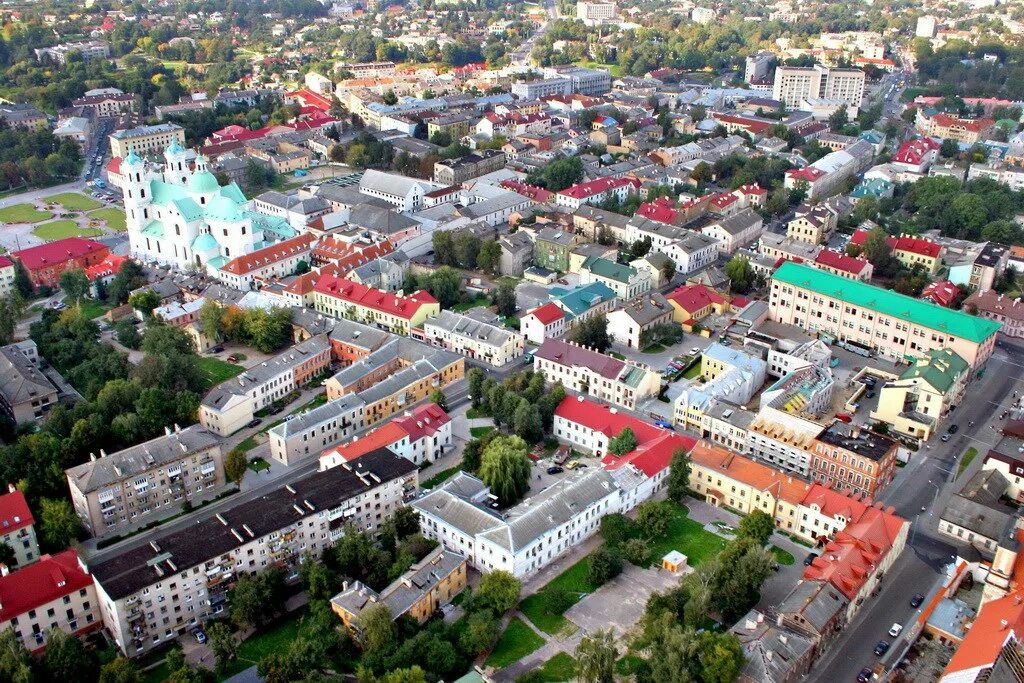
[(42, 582), (593, 187), (914, 245), (370, 297), (973, 125), (303, 284), (14, 512), (834, 504), (724, 199), (654, 446), (423, 421), (808, 173), (997, 621), (269, 255), (913, 152), (59, 251), (942, 292), (692, 298), (847, 264), (5, 262), (537, 194), (661, 210), (547, 314), (114, 165), (312, 99), (108, 266), (347, 255), (751, 124)]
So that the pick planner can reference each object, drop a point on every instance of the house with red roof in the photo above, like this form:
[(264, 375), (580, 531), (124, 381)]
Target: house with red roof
[(624, 383), (532, 192), (17, 528), (597, 191), (836, 262), (995, 639), (743, 197), (917, 155), (420, 435), (544, 322), (938, 124), (941, 292), (269, 263), (57, 592), (693, 303), (910, 250), (341, 298), (46, 262)]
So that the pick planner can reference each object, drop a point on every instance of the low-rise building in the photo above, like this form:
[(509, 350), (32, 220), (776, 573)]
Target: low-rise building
[(627, 325), (544, 322), (730, 375), (231, 404), (812, 224), (937, 124), (623, 383), (977, 517), (343, 298), (693, 303), (735, 230), (474, 165), (420, 435), (17, 528), (838, 263), (26, 394), (583, 301), (596, 192), (846, 457), (477, 334), (308, 433), (917, 155), (553, 247), (45, 262), (626, 281), (923, 395), (144, 483), (1007, 312), (910, 250), (269, 263)]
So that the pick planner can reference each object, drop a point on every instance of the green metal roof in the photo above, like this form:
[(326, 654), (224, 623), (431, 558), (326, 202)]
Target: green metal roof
[(583, 298), (203, 182), (234, 193), (188, 208), (885, 301), (940, 368), (204, 242), (154, 228), (609, 269)]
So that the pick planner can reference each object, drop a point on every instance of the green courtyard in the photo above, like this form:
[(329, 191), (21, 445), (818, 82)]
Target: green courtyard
[(23, 213), (216, 371), (516, 642), (114, 218)]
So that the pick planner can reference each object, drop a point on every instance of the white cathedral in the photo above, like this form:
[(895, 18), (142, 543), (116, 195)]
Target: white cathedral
[(183, 217)]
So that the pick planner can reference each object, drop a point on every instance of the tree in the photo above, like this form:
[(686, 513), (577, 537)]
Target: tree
[(498, 591), (950, 149), (120, 670), (222, 644), (15, 661), (592, 333), (505, 299), (652, 517), (467, 246), (758, 525), (67, 659), (622, 443), (605, 565), (839, 118), (317, 578), (475, 379), (255, 597), (720, 657), (144, 301), (489, 257), (526, 422), (668, 270), (60, 524), (636, 551), (445, 285), (22, 281), (640, 247), (480, 633), (75, 284), (211, 316), (444, 247), (127, 334), (440, 399), (377, 626), (505, 468), (441, 139), (679, 475), (596, 656), (7, 556), (617, 528), (740, 273)]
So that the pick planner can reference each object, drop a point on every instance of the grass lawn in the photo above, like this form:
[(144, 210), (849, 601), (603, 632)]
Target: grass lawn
[(654, 348), (75, 201), (561, 667), (574, 581), (317, 400), (516, 642), (216, 371), (480, 432), (966, 460), (782, 556), (614, 69), (466, 305), (688, 537), (23, 213), (474, 413), (616, 354), (259, 464), (693, 372), (58, 230), (93, 309), (440, 477), (277, 638), (114, 218)]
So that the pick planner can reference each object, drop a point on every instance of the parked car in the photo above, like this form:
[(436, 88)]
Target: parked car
[(232, 358), (843, 417), (895, 630), (200, 636), (255, 422), (953, 429), (555, 469), (694, 351), (664, 424), (945, 438), (871, 394), (809, 559), (217, 349), (865, 675), (882, 647), (916, 600)]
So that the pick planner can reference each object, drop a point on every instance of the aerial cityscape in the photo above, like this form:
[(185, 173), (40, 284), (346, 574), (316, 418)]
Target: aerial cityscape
[(664, 341)]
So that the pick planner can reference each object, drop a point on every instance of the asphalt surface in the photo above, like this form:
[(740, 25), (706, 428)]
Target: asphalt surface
[(925, 484)]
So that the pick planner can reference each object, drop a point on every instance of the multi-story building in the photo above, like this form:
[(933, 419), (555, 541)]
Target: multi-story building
[(583, 301), (783, 438), (21, 115), (46, 262), (924, 394), (691, 251), (812, 224), (1006, 312), (152, 593), (267, 264), (541, 87), (838, 263), (371, 69), (231, 404), (17, 528), (342, 298), (756, 67), (89, 51), (937, 124), (979, 267), (734, 230), (826, 176), (474, 165), (623, 383), (145, 140), (597, 192), (626, 281), (582, 80), (911, 251), (627, 325), (404, 193), (917, 155), (544, 322), (420, 435), (310, 432), (456, 125), (26, 394), (117, 492), (552, 248), (730, 375), (108, 104), (593, 13), (55, 593), (795, 84), (876, 319), (846, 457), (477, 334)]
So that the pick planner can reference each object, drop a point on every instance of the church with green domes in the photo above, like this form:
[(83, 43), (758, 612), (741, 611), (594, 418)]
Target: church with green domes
[(181, 216)]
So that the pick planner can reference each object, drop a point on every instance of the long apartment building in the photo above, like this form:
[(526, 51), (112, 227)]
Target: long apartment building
[(477, 334), (143, 483), (145, 140), (585, 371), (231, 404), (152, 593), (420, 435), (879, 320), (795, 84), (341, 298), (305, 435)]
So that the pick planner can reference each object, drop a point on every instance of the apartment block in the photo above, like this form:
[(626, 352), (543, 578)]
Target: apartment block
[(474, 165), (795, 84), (145, 140), (89, 51), (116, 492), (152, 593), (305, 435), (342, 298), (26, 394), (477, 334), (17, 528), (623, 383), (420, 435)]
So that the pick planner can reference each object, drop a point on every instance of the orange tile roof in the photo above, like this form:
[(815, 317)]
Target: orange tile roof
[(371, 297), (268, 255), (997, 622), (744, 470), (379, 438), (835, 504)]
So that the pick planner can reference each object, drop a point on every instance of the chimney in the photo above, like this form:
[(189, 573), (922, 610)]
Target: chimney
[(4, 570), (177, 429), (92, 458), (103, 453), (167, 431), (11, 487)]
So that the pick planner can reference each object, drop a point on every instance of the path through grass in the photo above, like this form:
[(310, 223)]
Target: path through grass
[(58, 230), (516, 642)]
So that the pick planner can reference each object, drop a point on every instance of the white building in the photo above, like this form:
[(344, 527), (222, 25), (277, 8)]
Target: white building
[(309, 433), (405, 193), (795, 84), (477, 334), (691, 252), (420, 435), (544, 322)]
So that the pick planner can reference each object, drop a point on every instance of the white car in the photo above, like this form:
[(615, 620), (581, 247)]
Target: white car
[(895, 630)]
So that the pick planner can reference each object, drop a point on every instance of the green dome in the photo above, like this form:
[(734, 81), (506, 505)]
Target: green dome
[(203, 182), (132, 158)]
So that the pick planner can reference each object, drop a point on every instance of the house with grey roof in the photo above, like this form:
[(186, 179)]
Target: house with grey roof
[(398, 190), (526, 537), (309, 433), (144, 483), (977, 516), (772, 653), (26, 394), (628, 323), (516, 253), (477, 334)]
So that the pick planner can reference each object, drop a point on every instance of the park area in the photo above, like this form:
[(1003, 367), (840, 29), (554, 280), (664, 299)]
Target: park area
[(23, 213), (216, 371), (58, 230), (77, 215), (74, 201), (114, 218)]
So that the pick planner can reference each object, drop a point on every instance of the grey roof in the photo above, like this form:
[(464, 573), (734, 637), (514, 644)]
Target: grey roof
[(20, 380), (482, 328), (646, 309), (293, 202), (169, 553), (977, 506), (420, 360), (312, 322), (772, 653), (743, 220), (557, 235), (222, 294), (359, 335), (145, 130), (506, 200), (669, 232), (262, 372), (306, 420), (375, 268), (695, 241), (390, 183), (599, 215), (104, 471), (516, 242), (379, 219), (817, 602)]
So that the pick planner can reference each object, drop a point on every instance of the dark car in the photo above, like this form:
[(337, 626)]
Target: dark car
[(953, 429), (255, 423), (809, 559), (871, 394), (916, 600), (864, 676), (882, 647), (217, 349), (555, 469)]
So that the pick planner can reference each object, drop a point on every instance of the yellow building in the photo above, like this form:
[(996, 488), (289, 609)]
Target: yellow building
[(923, 395), (342, 298), (428, 586), (145, 140), (812, 225)]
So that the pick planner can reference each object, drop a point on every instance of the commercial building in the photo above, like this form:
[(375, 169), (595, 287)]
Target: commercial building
[(55, 593), (144, 483), (26, 394), (623, 383), (231, 404), (45, 262), (342, 298), (528, 91), (145, 140), (923, 395), (426, 587), (582, 80), (937, 124), (17, 528), (730, 375), (477, 334), (878, 320), (152, 593), (846, 457), (592, 13), (795, 84)]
